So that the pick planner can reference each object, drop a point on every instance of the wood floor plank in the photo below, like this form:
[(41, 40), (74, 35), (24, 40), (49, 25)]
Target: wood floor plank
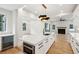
[(61, 46), (11, 51)]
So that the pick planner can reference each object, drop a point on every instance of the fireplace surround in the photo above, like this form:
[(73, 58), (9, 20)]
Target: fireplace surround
[(61, 30)]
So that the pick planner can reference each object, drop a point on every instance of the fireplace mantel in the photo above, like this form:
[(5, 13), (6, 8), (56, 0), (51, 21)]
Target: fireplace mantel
[(61, 27)]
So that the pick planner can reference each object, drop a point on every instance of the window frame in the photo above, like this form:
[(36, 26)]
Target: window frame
[(3, 23), (71, 26)]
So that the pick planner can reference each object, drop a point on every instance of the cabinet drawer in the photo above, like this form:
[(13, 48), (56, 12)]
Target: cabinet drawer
[(39, 49), (41, 43), (77, 43), (77, 50), (40, 46), (46, 41)]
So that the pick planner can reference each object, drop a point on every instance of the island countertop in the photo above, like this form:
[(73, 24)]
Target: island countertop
[(34, 39)]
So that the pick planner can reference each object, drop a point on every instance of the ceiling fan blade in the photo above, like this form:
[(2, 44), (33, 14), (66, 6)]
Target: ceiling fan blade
[(44, 6)]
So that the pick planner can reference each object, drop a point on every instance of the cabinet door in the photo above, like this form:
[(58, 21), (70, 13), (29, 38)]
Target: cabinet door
[(39, 48), (20, 44), (47, 44)]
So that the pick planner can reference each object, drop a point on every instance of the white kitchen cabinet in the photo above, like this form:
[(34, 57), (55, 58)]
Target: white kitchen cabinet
[(47, 44), (41, 43), (74, 43), (39, 48), (76, 46), (20, 43), (43, 46)]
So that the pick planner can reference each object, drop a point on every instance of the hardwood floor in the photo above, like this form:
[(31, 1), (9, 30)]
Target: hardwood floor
[(11, 51), (61, 46)]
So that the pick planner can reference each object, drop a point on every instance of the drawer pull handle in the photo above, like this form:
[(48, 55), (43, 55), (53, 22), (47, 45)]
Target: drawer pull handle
[(46, 41), (40, 47), (40, 43), (77, 44)]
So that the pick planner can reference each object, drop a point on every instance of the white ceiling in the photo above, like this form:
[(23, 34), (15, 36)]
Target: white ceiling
[(11, 7), (52, 11)]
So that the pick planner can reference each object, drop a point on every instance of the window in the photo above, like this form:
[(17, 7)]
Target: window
[(47, 27), (2, 23), (24, 26), (53, 27), (71, 26)]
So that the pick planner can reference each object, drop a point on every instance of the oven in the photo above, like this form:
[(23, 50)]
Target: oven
[(28, 48)]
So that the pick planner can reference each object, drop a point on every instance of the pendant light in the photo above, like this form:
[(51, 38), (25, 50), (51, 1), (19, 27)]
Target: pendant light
[(44, 16)]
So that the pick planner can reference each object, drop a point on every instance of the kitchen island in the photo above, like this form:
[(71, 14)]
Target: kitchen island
[(34, 44)]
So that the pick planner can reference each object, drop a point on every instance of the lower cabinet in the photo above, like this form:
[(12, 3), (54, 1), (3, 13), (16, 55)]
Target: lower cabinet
[(39, 48), (6, 42), (75, 45), (20, 44)]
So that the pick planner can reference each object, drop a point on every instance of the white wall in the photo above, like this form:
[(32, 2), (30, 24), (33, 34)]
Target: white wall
[(76, 17), (22, 18), (62, 24), (9, 20), (33, 25), (36, 27), (19, 17)]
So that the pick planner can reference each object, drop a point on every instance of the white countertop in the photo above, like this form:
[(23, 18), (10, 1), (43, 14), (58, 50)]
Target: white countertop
[(33, 39), (6, 34), (75, 35)]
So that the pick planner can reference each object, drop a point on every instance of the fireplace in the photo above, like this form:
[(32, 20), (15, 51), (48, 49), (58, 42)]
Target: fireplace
[(61, 30)]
